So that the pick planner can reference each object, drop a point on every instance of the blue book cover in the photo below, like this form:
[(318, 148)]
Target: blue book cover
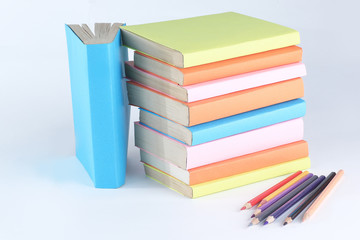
[(99, 100), (225, 127)]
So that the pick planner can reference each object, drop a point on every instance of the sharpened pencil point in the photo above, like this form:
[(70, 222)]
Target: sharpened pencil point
[(266, 222), (250, 224), (257, 212), (246, 206), (255, 221), (287, 221)]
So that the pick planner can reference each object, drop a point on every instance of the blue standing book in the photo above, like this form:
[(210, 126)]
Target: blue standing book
[(99, 100), (225, 127)]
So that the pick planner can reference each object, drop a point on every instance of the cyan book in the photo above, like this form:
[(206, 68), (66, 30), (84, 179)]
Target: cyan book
[(99, 100), (225, 127)]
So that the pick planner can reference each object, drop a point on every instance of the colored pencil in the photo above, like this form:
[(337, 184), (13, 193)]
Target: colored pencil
[(315, 205), (258, 198), (275, 193), (282, 194), (293, 200), (306, 202), (283, 200)]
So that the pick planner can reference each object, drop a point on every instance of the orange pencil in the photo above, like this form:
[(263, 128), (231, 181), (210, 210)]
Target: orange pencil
[(323, 195)]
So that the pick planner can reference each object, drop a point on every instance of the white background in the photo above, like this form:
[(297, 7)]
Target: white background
[(46, 194)]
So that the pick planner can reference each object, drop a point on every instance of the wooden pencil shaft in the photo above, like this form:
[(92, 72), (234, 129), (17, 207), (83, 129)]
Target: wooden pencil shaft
[(284, 199), (270, 219), (315, 205), (247, 206), (262, 202), (288, 220), (297, 197), (255, 221), (312, 196), (284, 187), (260, 197), (257, 212), (285, 192)]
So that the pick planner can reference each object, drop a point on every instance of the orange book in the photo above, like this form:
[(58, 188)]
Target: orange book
[(221, 69), (190, 114), (230, 167)]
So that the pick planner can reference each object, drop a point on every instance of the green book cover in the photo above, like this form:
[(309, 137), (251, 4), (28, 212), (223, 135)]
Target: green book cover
[(200, 40)]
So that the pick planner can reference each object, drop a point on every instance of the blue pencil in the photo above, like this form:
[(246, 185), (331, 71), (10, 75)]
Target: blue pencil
[(293, 200)]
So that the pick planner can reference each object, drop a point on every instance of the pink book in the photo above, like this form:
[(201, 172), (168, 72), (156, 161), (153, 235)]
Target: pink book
[(209, 89), (187, 157)]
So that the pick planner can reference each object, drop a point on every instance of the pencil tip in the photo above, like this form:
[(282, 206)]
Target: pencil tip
[(250, 224), (285, 223), (266, 222), (243, 208)]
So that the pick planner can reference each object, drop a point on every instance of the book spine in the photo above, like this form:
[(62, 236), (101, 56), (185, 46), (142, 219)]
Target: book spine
[(223, 184), (229, 167), (249, 162), (248, 121), (245, 143), (188, 157), (78, 68), (249, 63), (245, 81), (243, 101), (226, 183), (101, 113)]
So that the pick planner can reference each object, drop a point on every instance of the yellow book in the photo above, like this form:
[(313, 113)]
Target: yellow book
[(199, 40), (223, 184)]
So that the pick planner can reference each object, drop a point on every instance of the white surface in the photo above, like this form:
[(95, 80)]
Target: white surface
[(46, 194)]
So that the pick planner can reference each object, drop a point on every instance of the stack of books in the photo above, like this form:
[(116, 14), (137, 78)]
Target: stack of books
[(219, 99)]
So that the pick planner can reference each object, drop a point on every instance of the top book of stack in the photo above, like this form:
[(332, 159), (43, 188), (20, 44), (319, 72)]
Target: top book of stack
[(201, 40)]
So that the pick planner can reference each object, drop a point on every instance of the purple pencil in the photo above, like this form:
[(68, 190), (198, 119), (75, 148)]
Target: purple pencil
[(293, 200), (279, 196)]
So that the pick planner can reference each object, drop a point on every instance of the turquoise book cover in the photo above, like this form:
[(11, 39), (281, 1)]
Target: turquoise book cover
[(99, 101)]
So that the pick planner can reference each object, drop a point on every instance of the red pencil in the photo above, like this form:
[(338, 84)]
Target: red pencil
[(258, 198)]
